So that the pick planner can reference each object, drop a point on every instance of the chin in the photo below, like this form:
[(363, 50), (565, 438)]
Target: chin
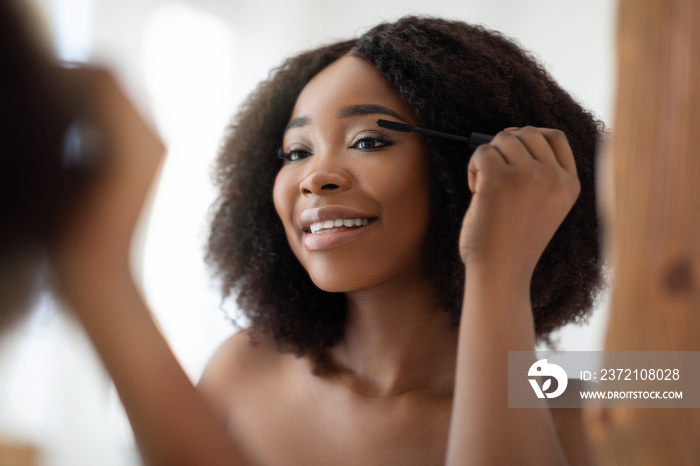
[(337, 283)]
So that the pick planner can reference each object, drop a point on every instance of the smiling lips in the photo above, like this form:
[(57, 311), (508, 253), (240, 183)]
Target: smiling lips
[(332, 226), (334, 236)]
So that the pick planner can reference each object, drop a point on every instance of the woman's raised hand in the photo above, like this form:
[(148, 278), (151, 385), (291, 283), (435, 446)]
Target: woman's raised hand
[(173, 424), (524, 183), (95, 240)]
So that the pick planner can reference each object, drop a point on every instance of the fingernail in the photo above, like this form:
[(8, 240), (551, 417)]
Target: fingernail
[(511, 129)]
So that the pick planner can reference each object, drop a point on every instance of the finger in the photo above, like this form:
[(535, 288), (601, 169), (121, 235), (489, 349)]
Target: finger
[(486, 160), (560, 146), (535, 142), (513, 151)]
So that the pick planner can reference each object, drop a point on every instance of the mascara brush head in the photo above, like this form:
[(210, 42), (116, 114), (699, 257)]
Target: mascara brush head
[(395, 126), (474, 140)]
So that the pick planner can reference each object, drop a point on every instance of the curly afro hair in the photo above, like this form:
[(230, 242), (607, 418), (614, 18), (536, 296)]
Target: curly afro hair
[(456, 78), (37, 187)]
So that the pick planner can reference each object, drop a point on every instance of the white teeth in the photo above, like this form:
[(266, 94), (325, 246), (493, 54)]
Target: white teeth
[(330, 226)]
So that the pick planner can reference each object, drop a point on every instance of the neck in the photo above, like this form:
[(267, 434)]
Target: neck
[(396, 342)]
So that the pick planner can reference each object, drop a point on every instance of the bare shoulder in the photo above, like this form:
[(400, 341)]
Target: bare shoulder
[(238, 364)]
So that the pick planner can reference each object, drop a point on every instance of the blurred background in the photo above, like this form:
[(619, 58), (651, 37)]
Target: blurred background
[(188, 65)]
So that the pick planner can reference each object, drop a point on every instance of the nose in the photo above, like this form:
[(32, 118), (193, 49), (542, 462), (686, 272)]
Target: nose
[(325, 176)]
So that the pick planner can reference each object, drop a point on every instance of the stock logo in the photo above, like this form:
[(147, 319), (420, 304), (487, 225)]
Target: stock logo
[(549, 373)]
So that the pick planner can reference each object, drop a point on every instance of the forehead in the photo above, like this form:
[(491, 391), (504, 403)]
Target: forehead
[(348, 81)]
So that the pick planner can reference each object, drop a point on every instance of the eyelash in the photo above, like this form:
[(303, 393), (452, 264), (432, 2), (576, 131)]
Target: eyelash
[(379, 138)]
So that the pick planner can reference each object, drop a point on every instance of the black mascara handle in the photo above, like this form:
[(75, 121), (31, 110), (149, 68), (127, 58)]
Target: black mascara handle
[(478, 139)]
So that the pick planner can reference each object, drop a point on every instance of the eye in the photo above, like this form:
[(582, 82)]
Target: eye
[(293, 155), (373, 142)]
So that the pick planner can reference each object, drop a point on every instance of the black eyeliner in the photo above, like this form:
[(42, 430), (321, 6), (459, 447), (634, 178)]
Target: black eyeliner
[(379, 136)]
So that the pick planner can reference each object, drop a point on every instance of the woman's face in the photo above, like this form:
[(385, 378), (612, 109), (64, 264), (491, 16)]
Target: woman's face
[(353, 197)]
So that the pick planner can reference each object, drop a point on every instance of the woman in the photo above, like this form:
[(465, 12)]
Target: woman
[(364, 308), (369, 304)]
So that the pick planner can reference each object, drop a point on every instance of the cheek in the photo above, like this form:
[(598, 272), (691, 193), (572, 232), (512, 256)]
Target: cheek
[(404, 194), (417, 198), (407, 189), (283, 198), (284, 194), (278, 195)]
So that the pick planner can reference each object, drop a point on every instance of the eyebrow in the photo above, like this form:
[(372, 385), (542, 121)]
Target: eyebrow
[(347, 112), (297, 122), (368, 109)]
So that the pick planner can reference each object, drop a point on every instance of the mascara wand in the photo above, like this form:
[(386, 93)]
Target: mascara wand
[(475, 140)]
